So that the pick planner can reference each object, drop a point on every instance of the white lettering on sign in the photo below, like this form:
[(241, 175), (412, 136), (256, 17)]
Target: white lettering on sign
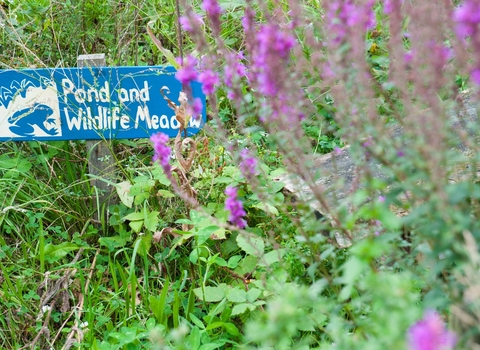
[(50, 107)]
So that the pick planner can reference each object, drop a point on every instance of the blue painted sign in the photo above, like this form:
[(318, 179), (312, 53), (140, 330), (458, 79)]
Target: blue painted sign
[(91, 103)]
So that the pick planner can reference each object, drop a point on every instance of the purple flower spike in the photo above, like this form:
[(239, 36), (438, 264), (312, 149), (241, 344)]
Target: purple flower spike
[(430, 334), (248, 164), (209, 80), (213, 10), (187, 73), (162, 151), (197, 107), (235, 207)]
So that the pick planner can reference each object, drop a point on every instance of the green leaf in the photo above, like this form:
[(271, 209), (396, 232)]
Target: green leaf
[(253, 294), (266, 207), (113, 242), (239, 309), (151, 220), (145, 244), (212, 294), (251, 244), (133, 217), (233, 261), (223, 180), (232, 329), (236, 295), (123, 191), (219, 261), (272, 257), (136, 226), (204, 234), (275, 186), (54, 252), (248, 264), (166, 194), (194, 338), (210, 346), (197, 321), (214, 325)]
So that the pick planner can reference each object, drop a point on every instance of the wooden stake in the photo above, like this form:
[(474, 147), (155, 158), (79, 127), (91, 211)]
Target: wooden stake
[(100, 158)]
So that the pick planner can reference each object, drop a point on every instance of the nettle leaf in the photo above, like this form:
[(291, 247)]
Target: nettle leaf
[(251, 244), (212, 294)]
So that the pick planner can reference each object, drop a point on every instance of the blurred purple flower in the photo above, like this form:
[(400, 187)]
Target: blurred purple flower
[(475, 76), (271, 56), (187, 72), (248, 163), (235, 207), (186, 23), (162, 152), (209, 79), (213, 10), (234, 68), (430, 334), (346, 14), (467, 17), (381, 199), (195, 109), (408, 57)]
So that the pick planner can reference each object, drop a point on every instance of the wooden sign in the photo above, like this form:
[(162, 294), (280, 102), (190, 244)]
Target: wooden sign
[(91, 103)]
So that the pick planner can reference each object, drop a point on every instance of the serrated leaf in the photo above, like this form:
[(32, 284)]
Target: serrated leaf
[(253, 294), (239, 309), (236, 295), (212, 294), (252, 245)]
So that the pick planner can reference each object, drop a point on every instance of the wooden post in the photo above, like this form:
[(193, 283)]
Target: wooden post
[(101, 161)]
